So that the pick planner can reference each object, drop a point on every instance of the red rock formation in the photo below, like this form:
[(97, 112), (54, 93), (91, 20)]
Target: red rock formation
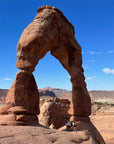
[(47, 93), (22, 99), (49, 31), (24, 92), (54, 112)]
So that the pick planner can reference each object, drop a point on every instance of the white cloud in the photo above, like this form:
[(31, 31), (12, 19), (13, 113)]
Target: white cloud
[(7, 79), (110, 51), (91, 61), (90, 78), (108, 70), (92, 52), (98, 52)]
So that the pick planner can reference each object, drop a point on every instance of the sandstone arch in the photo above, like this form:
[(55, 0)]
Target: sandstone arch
[(51, 31)]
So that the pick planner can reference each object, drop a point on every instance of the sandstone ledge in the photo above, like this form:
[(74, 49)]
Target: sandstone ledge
[(40, 135)]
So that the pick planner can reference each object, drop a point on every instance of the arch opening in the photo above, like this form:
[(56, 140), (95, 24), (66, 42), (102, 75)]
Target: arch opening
[(50, 73)]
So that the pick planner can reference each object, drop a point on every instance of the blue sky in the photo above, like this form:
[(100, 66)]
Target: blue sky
[(93, 21)]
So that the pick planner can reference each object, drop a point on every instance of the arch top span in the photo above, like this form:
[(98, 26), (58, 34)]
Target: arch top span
[(49, 31)]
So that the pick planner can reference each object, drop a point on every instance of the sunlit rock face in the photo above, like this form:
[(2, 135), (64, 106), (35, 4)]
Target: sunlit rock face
[(54, 112), (22, 101), (49, 31), (24, 92)]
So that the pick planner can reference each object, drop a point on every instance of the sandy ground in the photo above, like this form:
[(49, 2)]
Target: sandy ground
[(104, 122)]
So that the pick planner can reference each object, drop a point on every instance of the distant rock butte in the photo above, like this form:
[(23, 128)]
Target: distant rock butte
[(63, 93), (47, 93)]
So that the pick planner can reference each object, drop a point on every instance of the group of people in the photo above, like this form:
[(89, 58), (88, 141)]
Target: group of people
[(71, 126)]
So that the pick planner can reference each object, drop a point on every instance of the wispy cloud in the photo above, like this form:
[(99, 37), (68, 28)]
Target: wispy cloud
[(110, 52), (93, 53), (90, 78), (108, 70), (91, 61), (7, 79), (98, 53)]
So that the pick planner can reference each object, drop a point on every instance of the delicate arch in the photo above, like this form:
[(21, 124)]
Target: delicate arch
[(51, 31)]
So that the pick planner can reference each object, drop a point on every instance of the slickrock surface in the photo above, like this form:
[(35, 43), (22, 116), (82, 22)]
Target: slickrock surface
[(40, 135)]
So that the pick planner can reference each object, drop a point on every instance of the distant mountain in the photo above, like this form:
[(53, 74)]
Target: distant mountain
[(62, 93), (100, 94), (47, 93), (3, 92), (95, 94)]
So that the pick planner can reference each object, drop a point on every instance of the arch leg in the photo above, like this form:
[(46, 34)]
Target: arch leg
[(22, 101), (80, 101)]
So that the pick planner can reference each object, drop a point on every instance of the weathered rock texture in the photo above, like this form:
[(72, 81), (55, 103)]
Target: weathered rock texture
[(22, 101), (86, 124), (41, 135), (51, 31), (54, 112)]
